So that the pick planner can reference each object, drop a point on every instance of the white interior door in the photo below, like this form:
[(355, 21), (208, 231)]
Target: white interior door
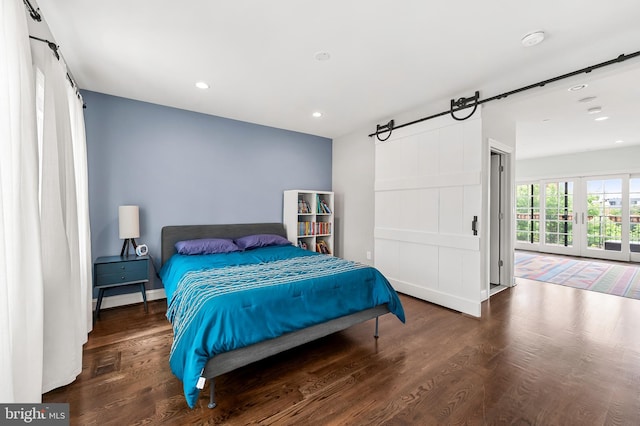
[(428, 199)]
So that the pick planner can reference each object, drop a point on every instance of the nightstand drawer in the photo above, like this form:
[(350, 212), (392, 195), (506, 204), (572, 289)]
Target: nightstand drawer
[(121, 277), (118, 267), (121, 272)]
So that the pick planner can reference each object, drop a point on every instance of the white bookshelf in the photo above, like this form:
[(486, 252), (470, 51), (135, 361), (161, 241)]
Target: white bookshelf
[(308, 218)]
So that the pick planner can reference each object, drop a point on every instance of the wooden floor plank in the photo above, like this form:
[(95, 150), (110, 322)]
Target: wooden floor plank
[(541, 354)]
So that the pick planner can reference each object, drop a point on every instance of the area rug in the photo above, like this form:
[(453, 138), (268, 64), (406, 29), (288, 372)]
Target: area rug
[(610, 278)]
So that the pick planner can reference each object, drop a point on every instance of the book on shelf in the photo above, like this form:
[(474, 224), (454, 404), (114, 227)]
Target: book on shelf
[(303, 206), (321, 206), (304, 228), (325, 207), (314, 228), (322, 247)]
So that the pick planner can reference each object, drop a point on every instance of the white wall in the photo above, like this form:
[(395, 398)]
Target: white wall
[(353, 176), (592, 163), (497, 126)]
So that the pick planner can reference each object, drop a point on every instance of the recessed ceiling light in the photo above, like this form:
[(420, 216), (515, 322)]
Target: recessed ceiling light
[(202, 85), (587, 99), (317, 114), (322, 56), (601, 118), (619, 141), (594, 110), (532, 38), (577, 87)]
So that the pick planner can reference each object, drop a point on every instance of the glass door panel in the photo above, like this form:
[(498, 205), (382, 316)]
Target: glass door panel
[(603, 221), (634, 218), (527, 215), (558, 208)]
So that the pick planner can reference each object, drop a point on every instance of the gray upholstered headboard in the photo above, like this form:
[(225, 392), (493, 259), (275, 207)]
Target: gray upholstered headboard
[(172, 234)]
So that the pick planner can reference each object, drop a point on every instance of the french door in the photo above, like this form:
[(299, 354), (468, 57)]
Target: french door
[(560, 227), (604, 230), (591, 216)]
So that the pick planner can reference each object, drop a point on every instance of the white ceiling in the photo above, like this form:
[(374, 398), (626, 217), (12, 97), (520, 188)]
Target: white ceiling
[(556, 121), (387, 57)]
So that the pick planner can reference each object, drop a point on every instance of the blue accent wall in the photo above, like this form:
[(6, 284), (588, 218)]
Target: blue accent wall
[(183, 167)]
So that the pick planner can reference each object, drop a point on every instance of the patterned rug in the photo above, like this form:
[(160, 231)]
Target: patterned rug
[(617, 279)]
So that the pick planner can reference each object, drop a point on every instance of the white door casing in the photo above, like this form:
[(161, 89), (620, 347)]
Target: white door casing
[(495, 219), (428, 189)]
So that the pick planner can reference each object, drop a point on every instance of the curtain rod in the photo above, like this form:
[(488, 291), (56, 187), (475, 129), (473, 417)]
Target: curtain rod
[(54, 48), (474, 101), (52, 45), (35, 15), (33, 12)]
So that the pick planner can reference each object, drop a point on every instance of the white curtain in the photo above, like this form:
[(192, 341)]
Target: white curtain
[(65, 303), (79, 140), (21, 285), (45, 254)]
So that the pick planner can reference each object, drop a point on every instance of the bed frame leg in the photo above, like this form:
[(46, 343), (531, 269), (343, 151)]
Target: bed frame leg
[(212, 394), (376, 334)]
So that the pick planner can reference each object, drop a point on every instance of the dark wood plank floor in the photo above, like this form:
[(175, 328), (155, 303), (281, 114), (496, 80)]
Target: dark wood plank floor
[(542, 354)]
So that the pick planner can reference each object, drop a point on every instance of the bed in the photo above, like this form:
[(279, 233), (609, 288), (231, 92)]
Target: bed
[(229, 310)]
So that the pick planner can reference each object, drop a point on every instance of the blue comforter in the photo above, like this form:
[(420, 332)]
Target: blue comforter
[(221, 302)]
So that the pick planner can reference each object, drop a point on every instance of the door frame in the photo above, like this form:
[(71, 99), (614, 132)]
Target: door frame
[(507, 224), (496, 218)]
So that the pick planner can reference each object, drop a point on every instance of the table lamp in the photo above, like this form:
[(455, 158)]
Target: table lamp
[(129, 227)]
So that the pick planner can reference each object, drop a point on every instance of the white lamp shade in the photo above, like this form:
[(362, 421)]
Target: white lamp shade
[(128, 220)]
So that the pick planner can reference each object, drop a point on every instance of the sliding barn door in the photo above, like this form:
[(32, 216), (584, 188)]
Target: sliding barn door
[(428, 195)]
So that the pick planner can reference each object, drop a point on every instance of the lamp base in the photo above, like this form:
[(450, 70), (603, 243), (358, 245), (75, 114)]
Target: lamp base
[(125, 246)]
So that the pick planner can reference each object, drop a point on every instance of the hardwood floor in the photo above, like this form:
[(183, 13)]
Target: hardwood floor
[(541, 354)]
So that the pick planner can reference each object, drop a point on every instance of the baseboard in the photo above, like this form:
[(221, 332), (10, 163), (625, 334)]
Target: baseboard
[(129, 298)]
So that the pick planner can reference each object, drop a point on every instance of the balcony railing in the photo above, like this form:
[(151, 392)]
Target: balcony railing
[(600, 229)]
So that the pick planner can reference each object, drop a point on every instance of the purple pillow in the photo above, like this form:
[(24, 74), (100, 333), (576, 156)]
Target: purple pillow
[(260, 240), (206, 246)]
